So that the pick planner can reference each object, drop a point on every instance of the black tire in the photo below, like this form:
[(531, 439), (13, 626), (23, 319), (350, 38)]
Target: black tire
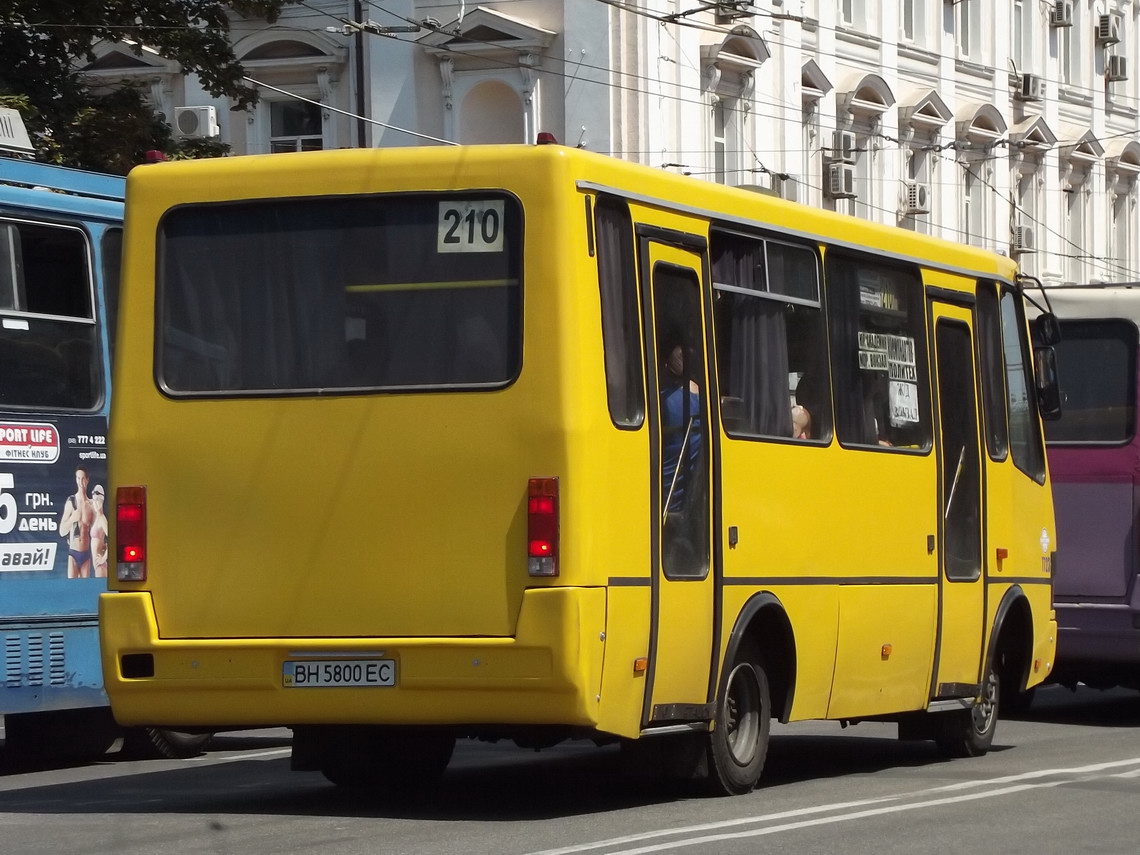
[(738, 742), (969, 733), (157, 743), (390, 762)]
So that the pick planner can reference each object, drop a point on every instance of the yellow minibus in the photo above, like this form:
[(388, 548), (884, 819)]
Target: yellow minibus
[(526, 442)]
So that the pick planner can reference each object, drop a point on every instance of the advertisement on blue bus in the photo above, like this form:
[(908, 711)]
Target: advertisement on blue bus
[(60, 247)]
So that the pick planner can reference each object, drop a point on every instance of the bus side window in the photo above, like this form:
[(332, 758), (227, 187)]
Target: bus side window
[(988, 323), (1024, 428), (46, 286), (770, 338), (621, 326), (878, 353)]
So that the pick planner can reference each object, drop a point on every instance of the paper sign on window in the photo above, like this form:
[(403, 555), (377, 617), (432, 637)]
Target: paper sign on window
[(903, 399), (470, 225)]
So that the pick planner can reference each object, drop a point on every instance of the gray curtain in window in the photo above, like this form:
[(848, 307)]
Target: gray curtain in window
[(757, 361)]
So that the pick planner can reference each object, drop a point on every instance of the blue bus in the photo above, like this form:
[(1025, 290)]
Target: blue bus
[(60, 247)]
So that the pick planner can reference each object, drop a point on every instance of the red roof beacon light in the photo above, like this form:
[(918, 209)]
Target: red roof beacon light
[(546, 138), (130, 534), (542, 526)]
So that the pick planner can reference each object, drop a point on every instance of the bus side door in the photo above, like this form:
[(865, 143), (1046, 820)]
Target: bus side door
[(961, 607), (681, 463)]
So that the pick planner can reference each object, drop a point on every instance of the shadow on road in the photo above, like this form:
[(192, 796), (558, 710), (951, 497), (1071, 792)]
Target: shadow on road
[(489, 783), (485, 782), (1085, 706), (15, 764)]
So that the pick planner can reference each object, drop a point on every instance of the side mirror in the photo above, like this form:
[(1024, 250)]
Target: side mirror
[(1046, 329), (1048, 389)]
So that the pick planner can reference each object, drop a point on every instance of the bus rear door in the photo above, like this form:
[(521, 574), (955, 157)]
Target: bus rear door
[(681, 638)]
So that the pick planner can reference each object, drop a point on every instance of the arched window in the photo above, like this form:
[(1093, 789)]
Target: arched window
[(492, 112), (860, 105), (1029, 141), (729, 70), (307, 68), (979, 127), (921, 121), (488, 47)]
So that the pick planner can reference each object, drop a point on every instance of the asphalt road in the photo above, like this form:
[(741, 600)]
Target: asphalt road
[(1064, 778)]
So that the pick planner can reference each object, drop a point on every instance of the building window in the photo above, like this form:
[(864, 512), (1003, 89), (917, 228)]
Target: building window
[(972, 20), (1070, 54), (918, 172), (1024, 25), (729, 70), (975, 204), (295, 126), (1075, 234), (1028, 191), (913, 22), (1123, 261), (727, 141), (852, 12)]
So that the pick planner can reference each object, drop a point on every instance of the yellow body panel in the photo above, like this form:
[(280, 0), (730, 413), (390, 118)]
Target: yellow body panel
[(280, 526), (549, 672)]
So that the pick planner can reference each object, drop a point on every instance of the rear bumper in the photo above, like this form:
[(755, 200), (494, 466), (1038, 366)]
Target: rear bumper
[(548, 673)]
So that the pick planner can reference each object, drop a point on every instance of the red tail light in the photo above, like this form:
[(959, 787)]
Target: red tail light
[(130, 534), (542, 526)]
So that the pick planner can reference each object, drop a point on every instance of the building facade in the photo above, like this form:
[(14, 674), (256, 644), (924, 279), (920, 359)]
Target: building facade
[(1008, 124)]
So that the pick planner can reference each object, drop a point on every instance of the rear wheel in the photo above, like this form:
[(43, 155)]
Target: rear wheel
[(738, 743), (157, 743), (969, 733)]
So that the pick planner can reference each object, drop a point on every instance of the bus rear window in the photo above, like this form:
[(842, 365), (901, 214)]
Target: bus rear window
[(1096, 367), (48, 339), (343, 293)]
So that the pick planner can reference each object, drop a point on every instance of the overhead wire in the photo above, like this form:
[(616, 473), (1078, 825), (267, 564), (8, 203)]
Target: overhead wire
[(680, 20)]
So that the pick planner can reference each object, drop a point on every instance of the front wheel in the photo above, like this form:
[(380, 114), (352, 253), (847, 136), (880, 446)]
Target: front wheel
[(738, 743), (969, 733)]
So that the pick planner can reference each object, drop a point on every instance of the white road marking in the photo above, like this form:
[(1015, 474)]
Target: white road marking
[(1031, 780)]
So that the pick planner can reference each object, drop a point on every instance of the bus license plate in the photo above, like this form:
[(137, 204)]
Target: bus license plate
[(331, 673)]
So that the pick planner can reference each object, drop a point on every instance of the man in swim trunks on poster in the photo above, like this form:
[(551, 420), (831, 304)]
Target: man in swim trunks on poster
[(75, 524)]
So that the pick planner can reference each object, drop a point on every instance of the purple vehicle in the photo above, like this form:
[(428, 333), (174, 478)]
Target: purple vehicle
[(1094, 460)]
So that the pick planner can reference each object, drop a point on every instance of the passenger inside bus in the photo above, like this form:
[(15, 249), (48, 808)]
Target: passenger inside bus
[(680, 427), (807, 395)]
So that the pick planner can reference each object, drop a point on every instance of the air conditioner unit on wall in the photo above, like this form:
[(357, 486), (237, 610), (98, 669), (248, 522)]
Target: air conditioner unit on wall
[(1023, 240), (844, 146), (1032, 88), (1116, 68), (840, 180), (1108, 29), (1061, 15), (196, 122), (917, 197)]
